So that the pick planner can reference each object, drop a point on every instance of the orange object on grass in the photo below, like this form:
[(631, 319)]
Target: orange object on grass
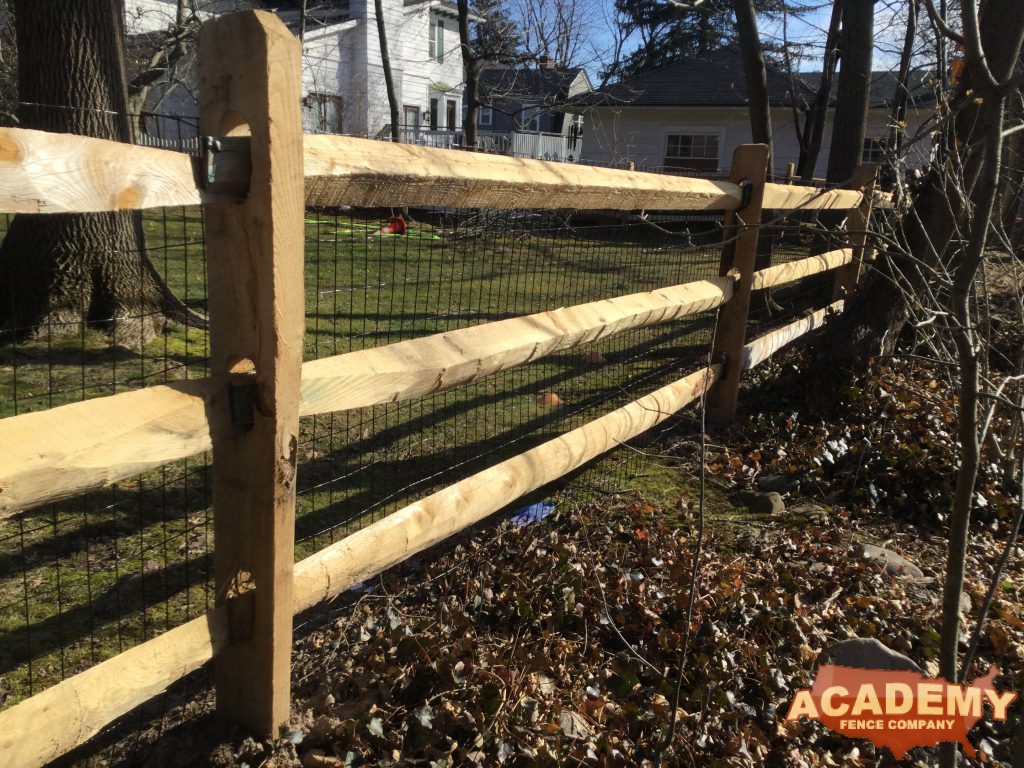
[(395, 226)]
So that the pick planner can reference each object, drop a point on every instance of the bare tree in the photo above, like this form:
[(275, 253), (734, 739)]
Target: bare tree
[(558, 29), (929, 273), (385, 60), (471, 65), (856, 46), (898, 113), (60, 271), (815, 131), (756, 74)]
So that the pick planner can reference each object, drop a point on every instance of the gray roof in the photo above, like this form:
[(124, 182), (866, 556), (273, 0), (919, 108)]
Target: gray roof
[(884, 86), (712, 80), (524, 85), (717, 80)]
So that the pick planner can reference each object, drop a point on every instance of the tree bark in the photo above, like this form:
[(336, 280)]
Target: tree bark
[(854, 90), (756, 75), (385, 60), (59, 271), (472, 70), (819, 110)]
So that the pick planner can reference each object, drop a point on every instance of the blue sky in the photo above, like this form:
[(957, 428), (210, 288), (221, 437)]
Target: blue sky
[(809, 29)]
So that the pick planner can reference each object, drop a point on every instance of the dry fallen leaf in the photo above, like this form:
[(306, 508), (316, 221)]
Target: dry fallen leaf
[(549, 399)]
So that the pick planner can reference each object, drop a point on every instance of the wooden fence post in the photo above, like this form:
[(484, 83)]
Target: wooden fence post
[(848, 277), (250, 86), (749, 168)]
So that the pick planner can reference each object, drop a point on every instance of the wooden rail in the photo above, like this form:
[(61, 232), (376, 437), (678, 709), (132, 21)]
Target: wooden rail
[(759, 350), (73, 448), (796, 270), (42, 728), (59, 173)]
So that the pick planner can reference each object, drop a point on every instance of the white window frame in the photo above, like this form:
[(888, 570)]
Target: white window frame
[(437, 41), (873, 151), (694, 132), (529, 117), (485, 118)]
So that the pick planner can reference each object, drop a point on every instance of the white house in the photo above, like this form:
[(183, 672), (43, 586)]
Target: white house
[(692, 114), (342, 73)]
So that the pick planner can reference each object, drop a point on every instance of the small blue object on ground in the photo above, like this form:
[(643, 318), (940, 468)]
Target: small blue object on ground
[(532, 513)]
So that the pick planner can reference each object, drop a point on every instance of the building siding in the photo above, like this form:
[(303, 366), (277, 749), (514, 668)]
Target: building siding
[(618, 135)]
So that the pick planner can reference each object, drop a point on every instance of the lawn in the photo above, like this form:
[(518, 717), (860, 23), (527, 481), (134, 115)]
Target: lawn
[(83, 579)]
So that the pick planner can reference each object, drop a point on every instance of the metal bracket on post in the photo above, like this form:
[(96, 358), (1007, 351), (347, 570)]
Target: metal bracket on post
[(225, 166), (746, 193)]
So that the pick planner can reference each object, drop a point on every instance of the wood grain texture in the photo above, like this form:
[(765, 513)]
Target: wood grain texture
[(418, 526), (759, 350), (739, 251), (57, 453), (55, 721), (73, 448), (60, 173), (341, 170), (792, 271), (788, 197), (417, 367), (249, 83)]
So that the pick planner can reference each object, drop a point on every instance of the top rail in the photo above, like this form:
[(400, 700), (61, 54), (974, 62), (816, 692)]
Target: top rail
[(61, 173)]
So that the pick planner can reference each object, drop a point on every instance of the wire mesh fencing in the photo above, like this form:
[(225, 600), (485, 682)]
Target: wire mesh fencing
[(88, 577)]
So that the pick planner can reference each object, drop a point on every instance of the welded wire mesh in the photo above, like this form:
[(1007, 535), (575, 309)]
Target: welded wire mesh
[(88, 577), (786, 237), (456, 268)]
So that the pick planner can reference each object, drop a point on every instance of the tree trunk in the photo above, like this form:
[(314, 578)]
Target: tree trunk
[(59, 271), (898, 114), (876, 316), (854, 91), (385, 60), (819, 111), (756, 76), (472, 68)]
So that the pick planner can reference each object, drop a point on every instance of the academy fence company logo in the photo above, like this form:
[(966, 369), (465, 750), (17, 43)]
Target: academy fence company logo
[(898, 710)]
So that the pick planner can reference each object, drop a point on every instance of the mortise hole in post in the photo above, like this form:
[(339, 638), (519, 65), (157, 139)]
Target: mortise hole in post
[(241, 365), (233, 124)]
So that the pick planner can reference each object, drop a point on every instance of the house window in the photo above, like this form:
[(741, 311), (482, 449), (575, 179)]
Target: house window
[(410, 124), (575, 131), (529, 117), (436, 46), (486, 117), (874, 151), (692, 151), (433, 114), (321, 113)]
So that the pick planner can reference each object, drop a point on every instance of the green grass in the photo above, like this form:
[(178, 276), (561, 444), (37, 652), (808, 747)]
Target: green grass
[(82, 580)]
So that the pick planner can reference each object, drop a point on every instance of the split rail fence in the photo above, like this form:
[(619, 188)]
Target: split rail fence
[(253, 191)]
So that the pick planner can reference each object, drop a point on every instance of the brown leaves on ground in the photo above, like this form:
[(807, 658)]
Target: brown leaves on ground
[(558, 644)]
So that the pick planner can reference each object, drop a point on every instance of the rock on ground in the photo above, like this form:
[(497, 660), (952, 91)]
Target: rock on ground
[(866, 653)]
